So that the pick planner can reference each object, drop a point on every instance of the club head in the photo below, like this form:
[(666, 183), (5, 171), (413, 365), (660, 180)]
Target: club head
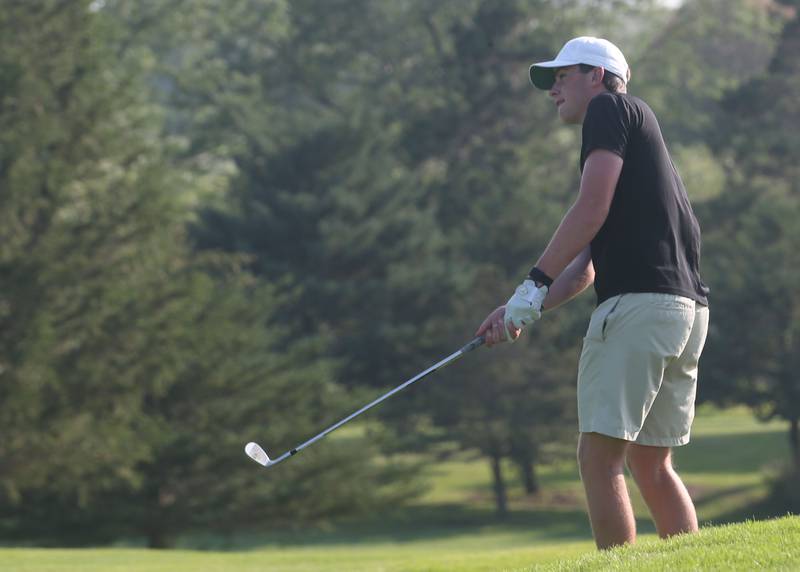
[(255, 452)]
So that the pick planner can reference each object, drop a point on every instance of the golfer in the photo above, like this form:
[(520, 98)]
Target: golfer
[(633, 234)]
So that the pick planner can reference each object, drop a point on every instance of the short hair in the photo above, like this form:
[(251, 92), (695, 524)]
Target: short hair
[(611, 81)]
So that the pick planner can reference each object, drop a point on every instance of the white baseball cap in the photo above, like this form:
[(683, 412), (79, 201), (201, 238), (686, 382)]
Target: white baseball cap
[(584, 50)]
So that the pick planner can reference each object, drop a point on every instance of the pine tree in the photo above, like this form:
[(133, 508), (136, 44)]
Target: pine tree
[(752, 249), (133, 371)]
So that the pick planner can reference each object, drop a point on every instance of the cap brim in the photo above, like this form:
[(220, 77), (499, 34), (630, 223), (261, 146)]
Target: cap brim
[(543, 74)]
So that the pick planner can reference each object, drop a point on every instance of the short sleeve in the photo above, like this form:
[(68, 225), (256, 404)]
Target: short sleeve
[(605, 126)]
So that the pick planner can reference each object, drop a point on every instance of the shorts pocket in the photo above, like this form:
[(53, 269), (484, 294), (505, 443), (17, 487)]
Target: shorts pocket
[(601, 317), (608, 317)]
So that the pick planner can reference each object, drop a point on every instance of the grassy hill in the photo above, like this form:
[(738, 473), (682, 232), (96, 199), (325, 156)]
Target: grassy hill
[(765, 545)]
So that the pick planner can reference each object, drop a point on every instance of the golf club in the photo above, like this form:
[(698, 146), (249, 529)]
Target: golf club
[(257, 453)]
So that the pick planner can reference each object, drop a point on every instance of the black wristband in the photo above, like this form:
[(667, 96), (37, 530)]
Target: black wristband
[(538, 276)]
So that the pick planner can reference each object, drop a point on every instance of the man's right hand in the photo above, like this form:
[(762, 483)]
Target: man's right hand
[(493, 328)]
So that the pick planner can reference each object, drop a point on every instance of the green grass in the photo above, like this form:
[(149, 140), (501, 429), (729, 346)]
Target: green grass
[(453, 526), (764, 545), (386, 557)]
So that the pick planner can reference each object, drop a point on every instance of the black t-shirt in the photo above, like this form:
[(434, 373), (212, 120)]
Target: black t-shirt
[(650, 241)]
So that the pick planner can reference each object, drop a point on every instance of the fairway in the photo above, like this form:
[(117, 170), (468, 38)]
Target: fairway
[(453, 526), (388, 557)]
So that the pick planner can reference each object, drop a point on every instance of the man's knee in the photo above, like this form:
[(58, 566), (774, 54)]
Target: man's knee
[(649, 464), (600, 452)]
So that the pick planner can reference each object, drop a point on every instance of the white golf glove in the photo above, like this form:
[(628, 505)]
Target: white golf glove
[(525, 306)]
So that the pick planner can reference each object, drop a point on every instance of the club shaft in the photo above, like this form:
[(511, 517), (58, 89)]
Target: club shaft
[(446, 361)]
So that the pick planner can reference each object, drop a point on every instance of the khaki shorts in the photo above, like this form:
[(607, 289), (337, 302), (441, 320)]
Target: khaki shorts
[(637, 377)]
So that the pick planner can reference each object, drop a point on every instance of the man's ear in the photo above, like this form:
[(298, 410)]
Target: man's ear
[(598, 74)]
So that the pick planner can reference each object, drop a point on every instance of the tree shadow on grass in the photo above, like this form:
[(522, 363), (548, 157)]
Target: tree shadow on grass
[(765, 508), (736, 453)]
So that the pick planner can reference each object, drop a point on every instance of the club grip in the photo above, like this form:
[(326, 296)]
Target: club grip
[(477, 342)]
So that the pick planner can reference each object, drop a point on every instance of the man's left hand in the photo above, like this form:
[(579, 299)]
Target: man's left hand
[(525, 306)]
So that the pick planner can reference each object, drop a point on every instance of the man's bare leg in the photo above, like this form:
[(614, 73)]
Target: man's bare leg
[(663, 491), (602, 465)]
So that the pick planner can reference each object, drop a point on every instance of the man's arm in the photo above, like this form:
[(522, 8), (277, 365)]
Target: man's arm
[(581, 223), (584, 219), (575, 278)]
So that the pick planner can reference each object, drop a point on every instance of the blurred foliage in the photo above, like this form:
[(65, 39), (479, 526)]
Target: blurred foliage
[(133, 370), (753, 244), (240, 219)]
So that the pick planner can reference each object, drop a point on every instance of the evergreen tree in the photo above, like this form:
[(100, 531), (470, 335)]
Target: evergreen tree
[(134, 371), (510, 174), (85, 235), (388, 165), (752, 247), (704, 49)]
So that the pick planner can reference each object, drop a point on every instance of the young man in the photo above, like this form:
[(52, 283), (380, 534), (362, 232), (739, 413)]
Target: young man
[(632, 233)]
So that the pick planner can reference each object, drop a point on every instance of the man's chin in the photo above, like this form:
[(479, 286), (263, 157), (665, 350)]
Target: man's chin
[(569, 120)]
